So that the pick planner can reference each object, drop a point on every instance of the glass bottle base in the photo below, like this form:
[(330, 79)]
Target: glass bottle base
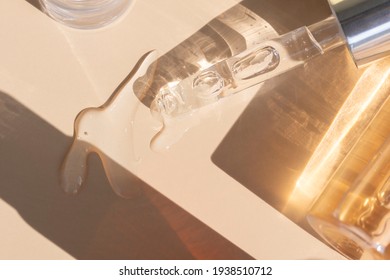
[(349, 241), (85, 14)]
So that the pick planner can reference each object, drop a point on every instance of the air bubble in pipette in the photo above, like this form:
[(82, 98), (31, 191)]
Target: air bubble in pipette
[(208, 84), (257, 63), (169, 100)]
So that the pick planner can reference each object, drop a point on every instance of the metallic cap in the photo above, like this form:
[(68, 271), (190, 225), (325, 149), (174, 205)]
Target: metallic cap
[(366, 26)]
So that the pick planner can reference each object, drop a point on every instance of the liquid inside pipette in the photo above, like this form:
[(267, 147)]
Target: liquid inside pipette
[(246, 69)]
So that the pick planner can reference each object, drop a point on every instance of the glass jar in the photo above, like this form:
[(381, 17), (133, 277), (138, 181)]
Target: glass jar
[(85, 14)]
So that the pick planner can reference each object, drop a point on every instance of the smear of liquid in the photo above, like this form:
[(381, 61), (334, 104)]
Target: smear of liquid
[(109, 126), (173, 129)]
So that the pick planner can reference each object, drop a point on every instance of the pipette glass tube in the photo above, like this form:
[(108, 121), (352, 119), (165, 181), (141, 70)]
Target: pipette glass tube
[(248, 68)]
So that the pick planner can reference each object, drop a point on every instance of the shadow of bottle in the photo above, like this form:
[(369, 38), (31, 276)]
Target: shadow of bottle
[(95, 224), (35, 3)]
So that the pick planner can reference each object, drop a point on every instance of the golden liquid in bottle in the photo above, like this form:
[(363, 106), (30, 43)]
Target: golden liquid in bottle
[(353, 212)]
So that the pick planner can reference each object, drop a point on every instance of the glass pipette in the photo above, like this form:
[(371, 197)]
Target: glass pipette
[(363, 26), (251, 67)]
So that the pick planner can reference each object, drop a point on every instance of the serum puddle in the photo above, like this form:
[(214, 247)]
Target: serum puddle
[(110, 126)]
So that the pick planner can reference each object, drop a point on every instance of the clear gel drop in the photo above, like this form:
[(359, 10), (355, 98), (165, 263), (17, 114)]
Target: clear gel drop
[(108, 131)]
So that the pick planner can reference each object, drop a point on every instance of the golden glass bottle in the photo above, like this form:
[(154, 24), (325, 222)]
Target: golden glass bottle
[(353, 212)]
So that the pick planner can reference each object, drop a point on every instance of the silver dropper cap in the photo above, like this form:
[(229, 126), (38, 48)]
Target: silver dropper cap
[(366, 26)]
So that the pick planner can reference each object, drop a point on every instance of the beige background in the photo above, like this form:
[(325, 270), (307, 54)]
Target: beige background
[(52, 72)]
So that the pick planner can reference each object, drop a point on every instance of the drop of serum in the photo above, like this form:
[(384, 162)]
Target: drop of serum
[(109, 126)]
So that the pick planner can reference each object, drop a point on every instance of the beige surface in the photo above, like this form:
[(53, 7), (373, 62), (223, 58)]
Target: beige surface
[(55, 72)]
